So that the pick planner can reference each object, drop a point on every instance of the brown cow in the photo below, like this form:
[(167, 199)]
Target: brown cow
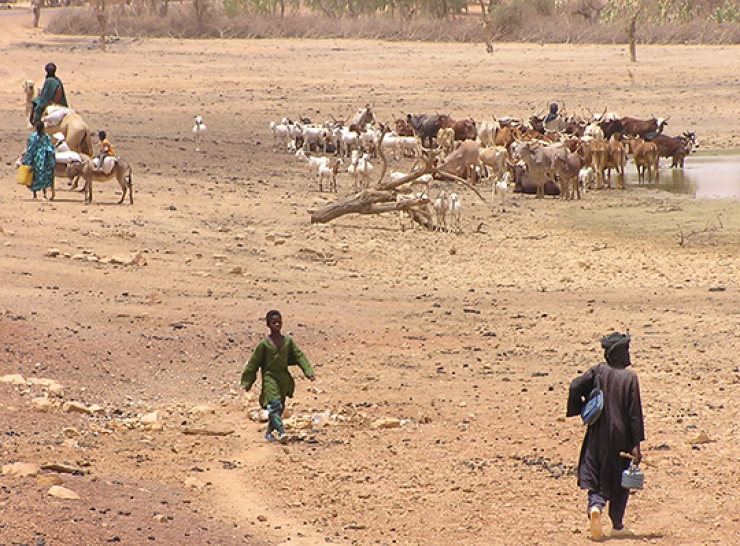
[(640, 127), (646, 157), (464, 129), (677, 148), (403, 128), (463, 160), (567, 169)]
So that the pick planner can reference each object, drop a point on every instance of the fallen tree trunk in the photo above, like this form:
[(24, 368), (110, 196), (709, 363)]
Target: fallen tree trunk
[(383, 197)]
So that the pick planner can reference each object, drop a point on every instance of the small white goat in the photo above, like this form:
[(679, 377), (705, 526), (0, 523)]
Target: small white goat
[(501, 188), (369, 141), (363, 170), (329, 172), (586, 178), (348, 141), (441, 206), (454, 210), (406, 198), (410, 146), (280, 134), (314, 135), (314, 163), (199, 128)]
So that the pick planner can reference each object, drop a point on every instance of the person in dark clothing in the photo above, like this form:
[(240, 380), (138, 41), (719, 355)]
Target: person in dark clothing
[(619, 429), (51, 93), (553, 113)]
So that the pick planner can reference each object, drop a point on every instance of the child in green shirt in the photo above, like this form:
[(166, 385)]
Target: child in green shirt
[(273, 355)]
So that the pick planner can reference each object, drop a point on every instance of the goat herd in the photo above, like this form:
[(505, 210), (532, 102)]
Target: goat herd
[(545, 155)]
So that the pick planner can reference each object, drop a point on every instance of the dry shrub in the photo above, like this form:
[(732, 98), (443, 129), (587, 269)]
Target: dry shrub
[(517, 21)]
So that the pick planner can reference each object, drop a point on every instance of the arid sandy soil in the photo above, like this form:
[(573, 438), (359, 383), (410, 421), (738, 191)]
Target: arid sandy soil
[(470, 340)]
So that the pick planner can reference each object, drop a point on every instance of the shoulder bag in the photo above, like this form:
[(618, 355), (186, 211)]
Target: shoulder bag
[(595, 403)]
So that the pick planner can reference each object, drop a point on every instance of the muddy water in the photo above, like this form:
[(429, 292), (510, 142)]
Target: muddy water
[(709, 177)]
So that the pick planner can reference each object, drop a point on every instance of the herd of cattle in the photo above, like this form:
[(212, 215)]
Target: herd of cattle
[(553, 155)]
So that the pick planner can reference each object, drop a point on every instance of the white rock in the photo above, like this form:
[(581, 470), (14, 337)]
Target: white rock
[(95, 409), (13, 379), (194, 483), (388, 422), (74, 407), (149, 418), (63, 493), (21, 470), (42, 404)]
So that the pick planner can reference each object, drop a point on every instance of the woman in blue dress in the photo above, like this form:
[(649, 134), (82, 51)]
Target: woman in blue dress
[(41, 158)]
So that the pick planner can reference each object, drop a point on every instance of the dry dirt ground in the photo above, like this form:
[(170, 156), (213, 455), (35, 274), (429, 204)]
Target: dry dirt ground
[(469, 340)]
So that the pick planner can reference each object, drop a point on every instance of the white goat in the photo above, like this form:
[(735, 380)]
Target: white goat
[(348, 141), (369, 140), (313, 134), (406, 198), (410, 146), (501, 188), (441, 206), (390, 145), (280, 134), (586, 178), (454, 210), (199, 128), (364, 169), (329, 172), (314, 163)]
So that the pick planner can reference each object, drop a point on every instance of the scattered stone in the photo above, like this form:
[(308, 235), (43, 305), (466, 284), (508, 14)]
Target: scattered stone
[(199, 410), (153, 298), (74, 407), (58, 467), (260, 415), (56, 389), (161, 518), (53, 253), (96, 410), (388, 422), (13, 379), (193, 483), (42, 404), (21, 470), (238, 270), (149, 418), (63, 493), (702, 438), (49, 480)]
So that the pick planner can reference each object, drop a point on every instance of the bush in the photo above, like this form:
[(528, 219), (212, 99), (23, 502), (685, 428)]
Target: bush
[(516, 20)]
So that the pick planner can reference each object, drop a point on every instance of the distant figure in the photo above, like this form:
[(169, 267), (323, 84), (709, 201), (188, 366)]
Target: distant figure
[(106, 150), (36, 6), (620, 428), (199, 128), (273, 355), (51, 93), (554, 122), (41, 158)]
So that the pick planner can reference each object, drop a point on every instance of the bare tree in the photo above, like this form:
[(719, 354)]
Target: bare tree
[(632, 35), (102, 17)]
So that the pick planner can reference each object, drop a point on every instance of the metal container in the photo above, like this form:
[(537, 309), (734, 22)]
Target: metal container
[(633, 477)]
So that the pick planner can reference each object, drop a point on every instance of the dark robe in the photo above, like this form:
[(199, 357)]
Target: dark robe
[(620, 427), (51, 93)]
